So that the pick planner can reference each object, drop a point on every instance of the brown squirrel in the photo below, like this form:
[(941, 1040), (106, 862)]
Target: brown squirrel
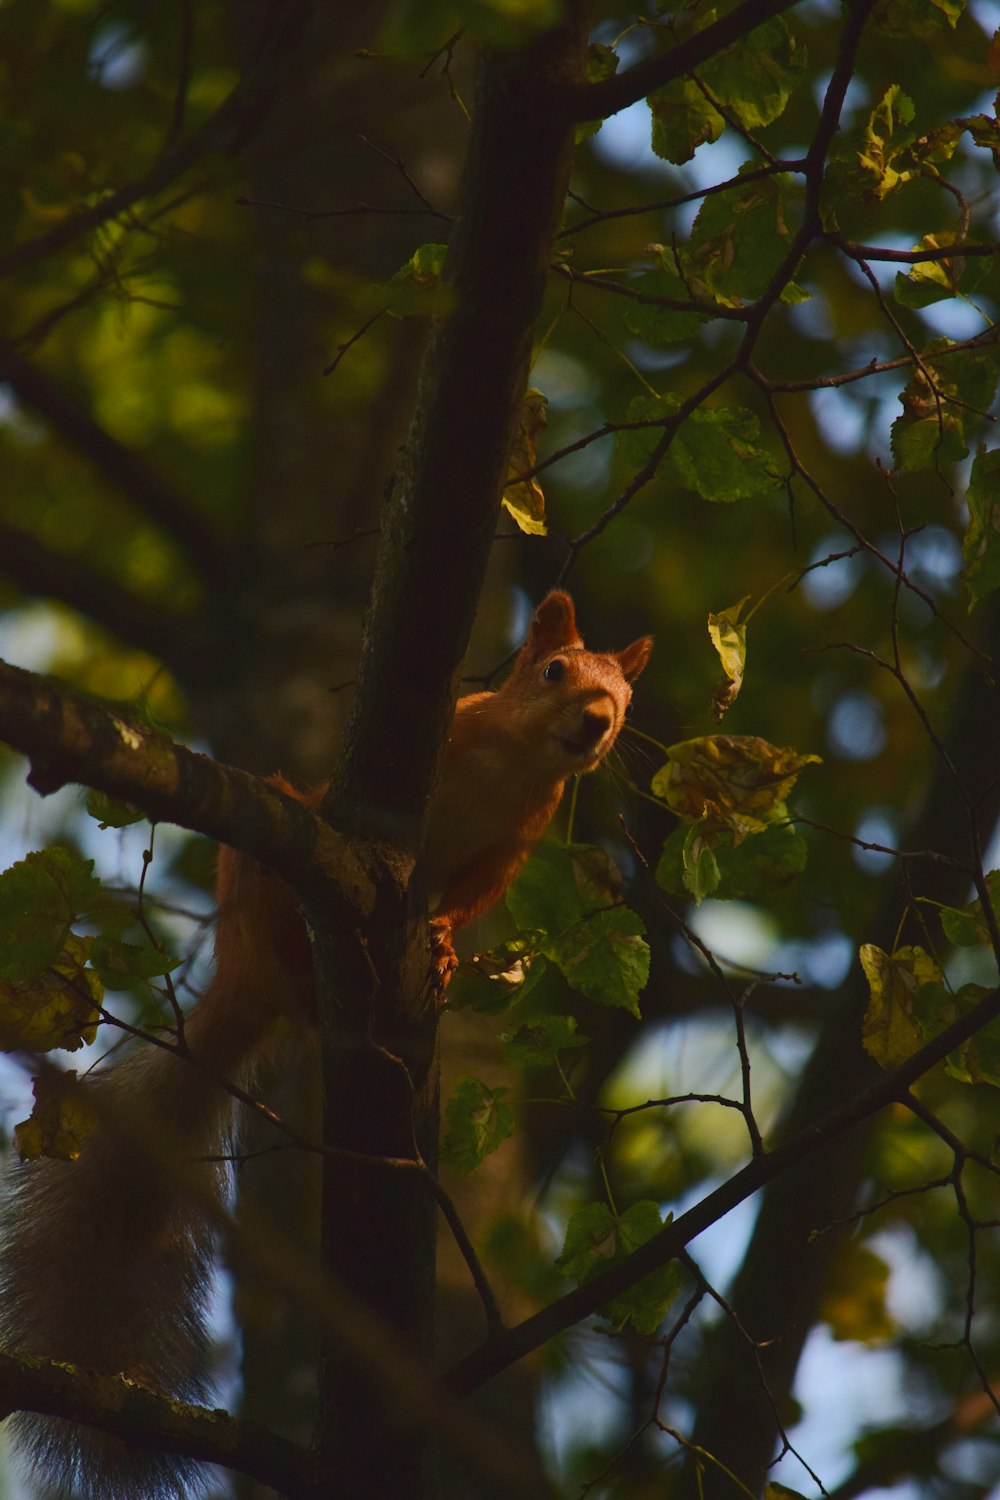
[(103, 1264)]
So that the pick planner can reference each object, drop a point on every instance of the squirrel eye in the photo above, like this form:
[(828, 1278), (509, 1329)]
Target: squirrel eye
[(628, 709), (555, 671)]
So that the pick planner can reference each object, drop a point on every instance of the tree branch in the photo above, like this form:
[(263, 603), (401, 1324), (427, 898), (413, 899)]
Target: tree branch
[(908, 257), (123, 467), (781, 1281), (69, 738), (141, 1417), (145, 1420), (507, 1347), (55, 575), (440, 517), (379, 1025), (596, 101), (226, 130)]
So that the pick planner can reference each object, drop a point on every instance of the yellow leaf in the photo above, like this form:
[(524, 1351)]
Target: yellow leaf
[(60, 1121), (56, 1009), (525, 500), (889, 1031), (854, 1305), (738, 782), (729, 637)]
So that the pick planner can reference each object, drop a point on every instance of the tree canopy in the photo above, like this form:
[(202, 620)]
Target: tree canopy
[(412, 312)]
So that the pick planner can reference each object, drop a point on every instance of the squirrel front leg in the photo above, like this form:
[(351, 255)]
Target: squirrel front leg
[(470, 892)]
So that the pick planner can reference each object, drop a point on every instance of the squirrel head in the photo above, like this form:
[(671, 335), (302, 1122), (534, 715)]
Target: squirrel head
[(566, 702)]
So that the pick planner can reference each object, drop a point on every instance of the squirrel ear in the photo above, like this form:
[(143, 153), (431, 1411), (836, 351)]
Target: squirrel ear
[(634, 657), (553, 627)]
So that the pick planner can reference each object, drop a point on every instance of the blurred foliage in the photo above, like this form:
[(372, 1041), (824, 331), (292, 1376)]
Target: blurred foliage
[(197, 499)]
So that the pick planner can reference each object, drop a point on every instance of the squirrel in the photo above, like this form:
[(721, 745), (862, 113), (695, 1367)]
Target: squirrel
[(107, 1266)]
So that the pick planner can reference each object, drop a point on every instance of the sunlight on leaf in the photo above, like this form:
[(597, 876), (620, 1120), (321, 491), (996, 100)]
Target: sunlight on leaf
[(61, 1119), (525, 501), (39, 898), (738, 782), (890, 1032), (55, 1008), (728, 634)]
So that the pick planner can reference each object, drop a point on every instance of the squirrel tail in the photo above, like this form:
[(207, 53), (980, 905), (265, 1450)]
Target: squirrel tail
[(106, 1262), (106, 1265)]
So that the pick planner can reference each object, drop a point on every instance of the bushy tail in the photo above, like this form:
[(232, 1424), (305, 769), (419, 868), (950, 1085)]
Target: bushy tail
[(107, 1265), (106, 1262)]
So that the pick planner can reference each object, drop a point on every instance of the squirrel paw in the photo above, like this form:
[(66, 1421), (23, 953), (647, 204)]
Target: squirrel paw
[(443, 956)]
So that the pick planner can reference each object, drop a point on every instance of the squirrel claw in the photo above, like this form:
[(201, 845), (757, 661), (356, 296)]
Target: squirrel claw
[(443, 956)]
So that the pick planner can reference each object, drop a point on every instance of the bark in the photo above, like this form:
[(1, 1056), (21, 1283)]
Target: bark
[(437, 526)]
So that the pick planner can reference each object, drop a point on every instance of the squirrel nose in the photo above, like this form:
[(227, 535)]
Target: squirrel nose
[(595, 725)]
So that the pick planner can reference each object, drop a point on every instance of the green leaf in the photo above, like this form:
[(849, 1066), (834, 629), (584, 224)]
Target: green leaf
[(756, 76), (416, 289), (933, 281), (478, 1121), (713, 452), (683, 120), (656, 324), (739, 782), (985, 132), (886, 135), (561, 884), (753, 78), (121, 964), (978, 1059), (636, 446), (890, 1031), (40, 897), (870, 160), (602, 62), (597, 1239), (424, 266), (546, 894), (965, 926), (938, 418), (700, 868), (591, 1243), (61, 1119), (539, 1042), (740, 238), (916, 18), (573, 894), (759, 864), (927, 442), (605, 957), (56, 1008), (110, 812), (981, 544)]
